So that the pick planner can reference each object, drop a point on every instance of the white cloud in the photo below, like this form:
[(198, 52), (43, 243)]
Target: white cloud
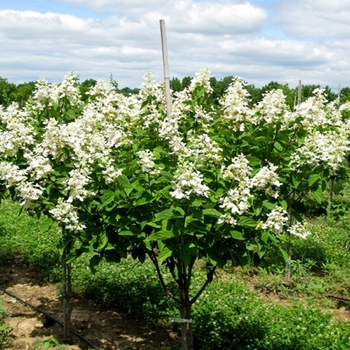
[(321, 19), (306, 40)]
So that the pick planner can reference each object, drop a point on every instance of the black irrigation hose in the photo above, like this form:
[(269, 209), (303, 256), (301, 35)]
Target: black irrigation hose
[(73, 331)]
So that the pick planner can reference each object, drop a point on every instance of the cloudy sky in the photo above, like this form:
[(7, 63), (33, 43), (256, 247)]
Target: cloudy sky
[(258, 40)]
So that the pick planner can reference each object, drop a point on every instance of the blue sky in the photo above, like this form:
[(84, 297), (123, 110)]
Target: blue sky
[(260, 40)]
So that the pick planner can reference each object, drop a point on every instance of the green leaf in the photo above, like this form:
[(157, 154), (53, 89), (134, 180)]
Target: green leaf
[(164, 215), (160, 236), (318, 195), (125, 233), (180, 211), (246, 221), (184, 253), (153, 224), (237, 235), (103, 240), (212, 212), (313, 178), (94, 261), (278, 147), (285, 254), (165, 253), (269, 205), (73, 255), (265, 236), (284, 204), (107, 197)]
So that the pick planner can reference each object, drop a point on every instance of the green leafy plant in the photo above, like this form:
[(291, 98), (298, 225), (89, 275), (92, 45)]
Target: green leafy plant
[(50, 343)]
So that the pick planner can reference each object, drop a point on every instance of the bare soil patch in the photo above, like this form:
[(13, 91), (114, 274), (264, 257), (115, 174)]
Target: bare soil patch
[(106, 329)]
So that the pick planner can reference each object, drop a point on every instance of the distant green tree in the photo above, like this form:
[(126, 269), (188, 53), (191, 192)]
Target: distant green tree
[(85, 86), (23, 92), (186, 82), (176, 85), (345, 95), (128, 91), (255, 94), (6, 89)]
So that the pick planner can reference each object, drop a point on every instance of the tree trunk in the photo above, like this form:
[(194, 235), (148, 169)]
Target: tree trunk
[(66, 295), (186, 320)]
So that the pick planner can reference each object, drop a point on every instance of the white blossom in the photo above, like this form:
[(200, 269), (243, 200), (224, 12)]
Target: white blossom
[(299, 230), (272, 107), (67, 214), (146, 161), (276, 221), (235, 105), (188, 181)]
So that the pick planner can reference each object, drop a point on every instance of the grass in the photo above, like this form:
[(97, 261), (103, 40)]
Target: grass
[(4, 330), (241, 309)]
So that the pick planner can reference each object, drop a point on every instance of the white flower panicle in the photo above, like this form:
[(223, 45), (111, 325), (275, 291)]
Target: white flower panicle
[(235, 105), (146, 161), (12, 174), (78, 179), (203, 149), (236, 200), (67, 215), (203, 80), (266, 178), (188, 181), (110, 173), (299, 230), (47, 94), (239, 170), (272, 107), (18, 133), (276, 221), (312, 111), (329, 147), (17, 178)]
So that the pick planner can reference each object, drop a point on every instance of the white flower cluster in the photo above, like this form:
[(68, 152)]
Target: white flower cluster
[(237, 200), (17, 178), (203, 149), (202, 80), (146, 161), (329, 147), (78, 179), (18, 133), (276, 221), (47, 94), (265, 178), (299, 230), (239, 170), (67, 214), (312, 111), (235, 105), (272, 107), (188, 181)]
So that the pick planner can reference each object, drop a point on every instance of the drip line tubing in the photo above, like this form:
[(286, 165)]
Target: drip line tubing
[(73, 331)]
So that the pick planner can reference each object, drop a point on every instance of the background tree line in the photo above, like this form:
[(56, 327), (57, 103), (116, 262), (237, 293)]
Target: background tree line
[(10, 92)]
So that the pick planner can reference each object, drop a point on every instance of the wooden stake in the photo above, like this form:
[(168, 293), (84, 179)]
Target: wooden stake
[(166, 68)]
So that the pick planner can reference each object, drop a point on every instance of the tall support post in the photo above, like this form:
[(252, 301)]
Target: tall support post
[(291, 218), (166, 68)]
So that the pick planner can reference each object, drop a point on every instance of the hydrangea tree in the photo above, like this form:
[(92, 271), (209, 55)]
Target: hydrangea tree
[(217, 184)]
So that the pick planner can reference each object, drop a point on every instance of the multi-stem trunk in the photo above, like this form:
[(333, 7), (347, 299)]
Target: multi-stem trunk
[(186, 320), (185, 304), (67, 292)]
